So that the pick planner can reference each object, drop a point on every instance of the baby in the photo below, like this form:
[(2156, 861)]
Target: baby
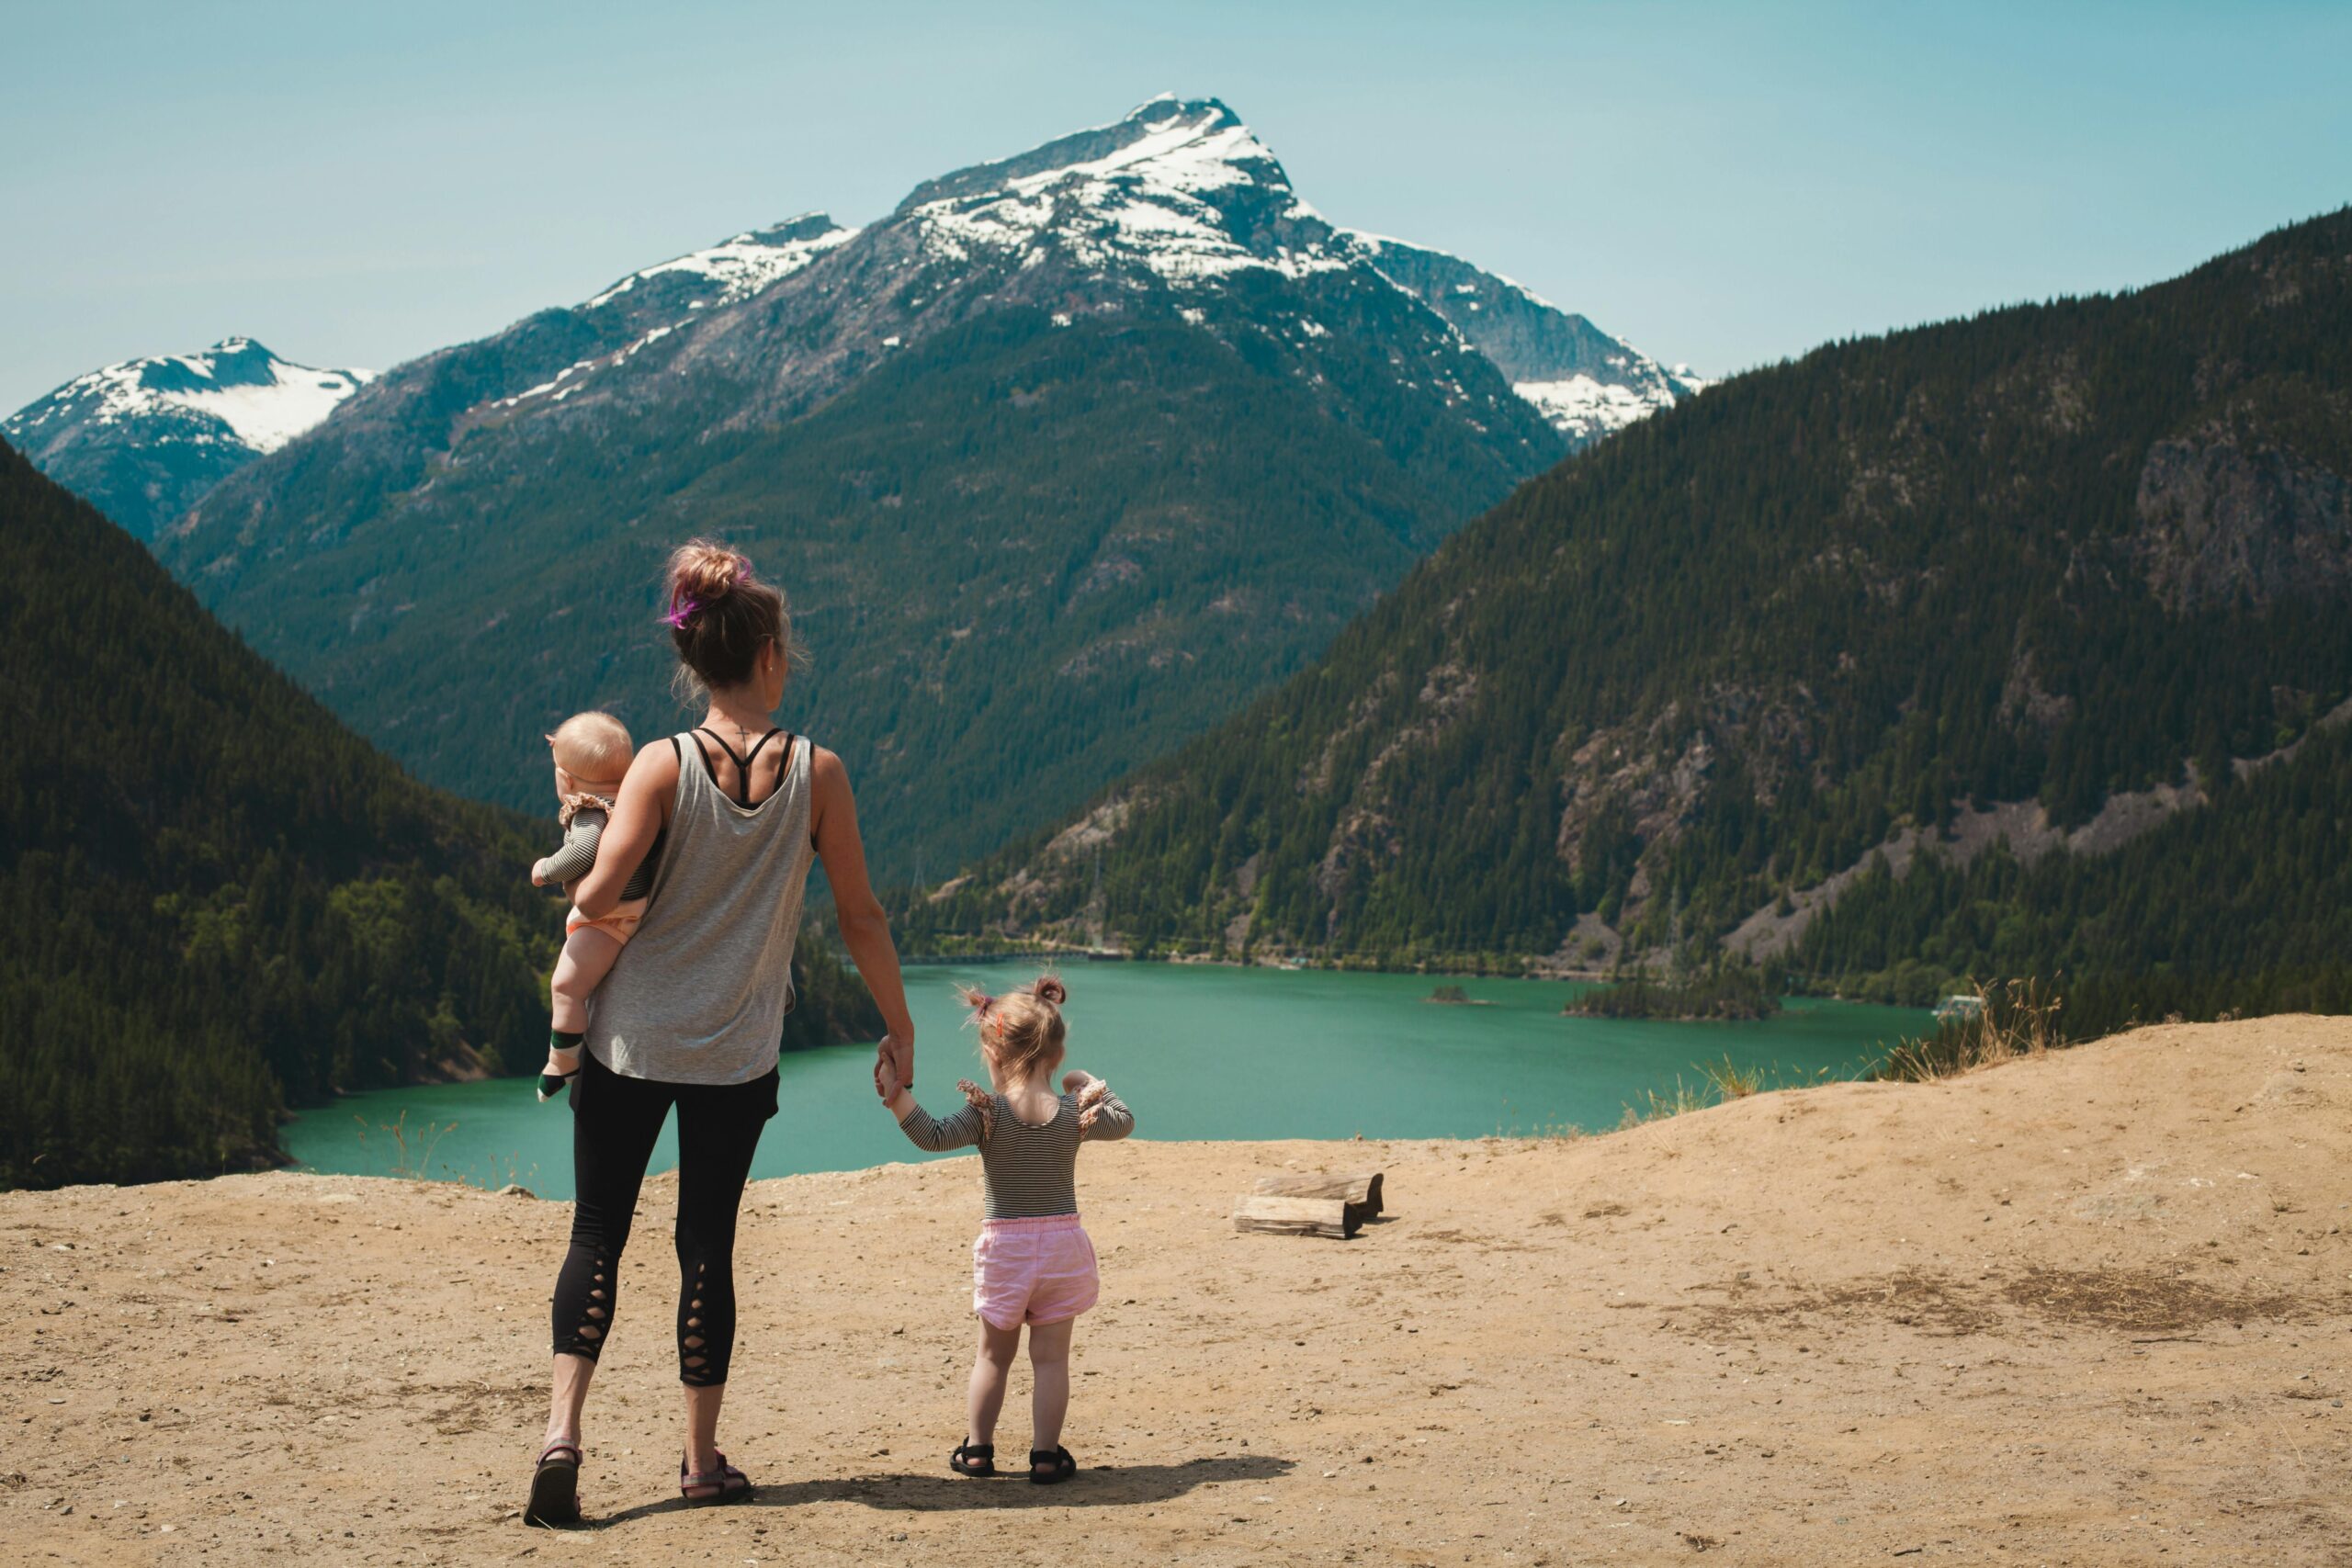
[(1033, 1263), (592, 754)]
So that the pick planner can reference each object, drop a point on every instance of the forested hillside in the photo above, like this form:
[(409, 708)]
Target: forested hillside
[(1984, 577), (2244, 907), (1061, 461), (222, 903)]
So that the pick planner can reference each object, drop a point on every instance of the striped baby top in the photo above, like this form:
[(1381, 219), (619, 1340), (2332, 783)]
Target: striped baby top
[(583, 828), (1027, 1171)]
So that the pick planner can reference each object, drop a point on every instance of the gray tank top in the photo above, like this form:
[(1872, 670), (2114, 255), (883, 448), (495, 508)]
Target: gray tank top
[(699, 994)]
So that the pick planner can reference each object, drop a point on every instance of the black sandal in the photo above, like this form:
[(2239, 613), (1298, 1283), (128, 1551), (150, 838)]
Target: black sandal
[(1064, 1466), (552, 1084), (555, 1488), (725, 1485), (973, 1459)]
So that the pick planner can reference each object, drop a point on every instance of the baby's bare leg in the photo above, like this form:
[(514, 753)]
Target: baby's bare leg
[(991, 1367), (588, 955), (1050, 1370)]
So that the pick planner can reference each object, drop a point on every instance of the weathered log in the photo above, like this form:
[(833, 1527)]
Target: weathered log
[(1273, 1215), (1359, 1190)]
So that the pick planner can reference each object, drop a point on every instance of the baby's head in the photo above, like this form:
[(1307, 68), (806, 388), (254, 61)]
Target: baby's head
[(1021, 1031), (592, 753)]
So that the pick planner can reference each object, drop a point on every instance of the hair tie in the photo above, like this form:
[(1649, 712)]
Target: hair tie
[(680, 614)]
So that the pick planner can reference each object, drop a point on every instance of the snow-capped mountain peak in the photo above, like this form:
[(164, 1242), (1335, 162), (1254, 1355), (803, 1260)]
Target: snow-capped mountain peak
[(145, 438), (1179, 188), (237, 392), (1182, 192)]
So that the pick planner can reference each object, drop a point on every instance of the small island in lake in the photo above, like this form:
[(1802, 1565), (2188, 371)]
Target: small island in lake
[(1455, 995), (1727, 994)]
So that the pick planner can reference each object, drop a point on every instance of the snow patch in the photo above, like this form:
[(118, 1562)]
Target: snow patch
[(741, 266), (1585, 408), (264, 402)]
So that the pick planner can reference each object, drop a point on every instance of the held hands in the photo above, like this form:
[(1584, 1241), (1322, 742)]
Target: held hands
[(894, 1066)]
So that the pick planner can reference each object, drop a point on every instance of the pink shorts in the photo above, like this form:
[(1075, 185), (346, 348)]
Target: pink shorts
[(1039, 1270)]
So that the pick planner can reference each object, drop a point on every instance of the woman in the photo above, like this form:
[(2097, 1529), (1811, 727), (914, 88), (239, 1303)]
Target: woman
[(694, 1014)]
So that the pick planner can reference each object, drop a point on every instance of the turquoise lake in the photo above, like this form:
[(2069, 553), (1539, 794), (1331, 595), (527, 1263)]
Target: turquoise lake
[(1198, 1051)]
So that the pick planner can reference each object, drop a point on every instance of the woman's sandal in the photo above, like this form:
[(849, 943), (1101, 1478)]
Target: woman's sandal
[(973, 1459), (1064, 1466), (552, 1084), (555, 1488), (725, 1485)]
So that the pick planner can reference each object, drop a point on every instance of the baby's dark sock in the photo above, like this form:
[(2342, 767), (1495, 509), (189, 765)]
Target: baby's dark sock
[(552, 1084)]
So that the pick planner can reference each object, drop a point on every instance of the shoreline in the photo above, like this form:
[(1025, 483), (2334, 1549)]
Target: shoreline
[(1535, 969)]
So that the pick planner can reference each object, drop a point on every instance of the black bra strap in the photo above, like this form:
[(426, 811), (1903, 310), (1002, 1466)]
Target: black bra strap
[(742, 761)]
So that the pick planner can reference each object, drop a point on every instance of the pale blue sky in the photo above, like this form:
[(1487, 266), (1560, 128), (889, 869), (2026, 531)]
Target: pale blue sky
[(356, 184)]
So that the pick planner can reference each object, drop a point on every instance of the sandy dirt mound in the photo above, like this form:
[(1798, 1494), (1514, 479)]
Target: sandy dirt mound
[(2091, 1308)]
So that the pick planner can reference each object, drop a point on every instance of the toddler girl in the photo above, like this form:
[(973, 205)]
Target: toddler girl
[(1032, 1264), (591, 755)]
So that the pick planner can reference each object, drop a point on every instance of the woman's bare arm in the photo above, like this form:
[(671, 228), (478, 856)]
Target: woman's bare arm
[(865, 930), (636, 821)]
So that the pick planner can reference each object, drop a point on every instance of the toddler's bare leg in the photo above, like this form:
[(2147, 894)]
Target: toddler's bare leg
[(1050, 1370), (990, 1369), (587, 958)]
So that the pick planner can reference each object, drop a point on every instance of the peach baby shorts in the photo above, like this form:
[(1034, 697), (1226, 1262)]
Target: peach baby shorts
[(621, 925), (1034, 1270)]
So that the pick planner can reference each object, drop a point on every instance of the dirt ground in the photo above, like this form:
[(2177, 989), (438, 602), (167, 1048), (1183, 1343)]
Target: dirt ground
[(2094, 1308)]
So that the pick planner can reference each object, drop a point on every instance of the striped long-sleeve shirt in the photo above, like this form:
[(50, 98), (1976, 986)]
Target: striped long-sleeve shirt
[(1027, 1170), (581, 836)]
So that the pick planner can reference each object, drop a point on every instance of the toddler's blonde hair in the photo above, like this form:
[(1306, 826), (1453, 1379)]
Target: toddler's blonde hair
[(592, 747), (1022, 1029)]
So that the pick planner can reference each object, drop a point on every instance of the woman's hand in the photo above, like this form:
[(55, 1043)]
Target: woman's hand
[(887, 1082)]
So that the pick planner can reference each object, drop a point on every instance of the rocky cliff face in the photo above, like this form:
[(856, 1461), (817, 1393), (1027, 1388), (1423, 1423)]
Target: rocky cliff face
[(2223, 525)]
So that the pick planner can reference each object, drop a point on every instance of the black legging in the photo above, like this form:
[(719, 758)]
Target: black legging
[(614, 1122)]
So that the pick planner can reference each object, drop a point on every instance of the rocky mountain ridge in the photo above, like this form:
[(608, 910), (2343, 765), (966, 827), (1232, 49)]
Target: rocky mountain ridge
[(1126, 399)]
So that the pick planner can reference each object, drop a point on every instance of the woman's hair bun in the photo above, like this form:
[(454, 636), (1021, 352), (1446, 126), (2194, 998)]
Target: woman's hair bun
[(702, 572), (1049, 988)]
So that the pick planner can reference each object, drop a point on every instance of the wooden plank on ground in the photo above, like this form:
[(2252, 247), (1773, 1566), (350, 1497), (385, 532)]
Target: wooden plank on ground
[(1359, 1189), (1269, 1214)]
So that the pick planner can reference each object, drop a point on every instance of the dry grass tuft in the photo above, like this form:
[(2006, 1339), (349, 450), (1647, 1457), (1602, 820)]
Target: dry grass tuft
[(1657, 1107), (2016, 1019), (1730, 1080)]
